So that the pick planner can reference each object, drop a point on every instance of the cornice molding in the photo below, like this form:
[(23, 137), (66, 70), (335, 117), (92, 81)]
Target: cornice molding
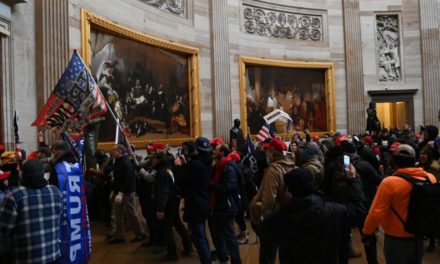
[(14, 2)]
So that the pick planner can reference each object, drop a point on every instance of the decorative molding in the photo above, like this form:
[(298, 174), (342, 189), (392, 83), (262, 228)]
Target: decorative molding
[(388, 48), (14, 2), (293, 24), (175, 7), (392, 92)]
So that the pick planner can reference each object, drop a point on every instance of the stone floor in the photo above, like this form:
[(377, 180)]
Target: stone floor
[(133, 253)]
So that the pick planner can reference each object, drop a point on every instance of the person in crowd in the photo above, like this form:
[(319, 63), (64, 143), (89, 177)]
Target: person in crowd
[(430, 133), (195, 190), (308, 229), (394, 192), (431, 165), (30, 216), (148, 200), (272, 192), (4, 240), (123, 196), (103, 183), (224, 201), (311, 163), (167, 202)]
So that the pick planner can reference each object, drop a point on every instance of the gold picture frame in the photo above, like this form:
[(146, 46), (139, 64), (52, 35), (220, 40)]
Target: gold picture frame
[(91, 23), (247, 64)]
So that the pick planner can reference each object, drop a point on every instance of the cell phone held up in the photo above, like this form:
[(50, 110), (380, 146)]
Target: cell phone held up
[(346, 163)]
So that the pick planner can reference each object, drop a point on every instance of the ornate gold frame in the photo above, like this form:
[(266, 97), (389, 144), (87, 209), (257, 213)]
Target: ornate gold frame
[(90, 20), (329, 86)]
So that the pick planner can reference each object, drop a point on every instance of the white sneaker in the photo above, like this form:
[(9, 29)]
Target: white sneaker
[(243, 237)]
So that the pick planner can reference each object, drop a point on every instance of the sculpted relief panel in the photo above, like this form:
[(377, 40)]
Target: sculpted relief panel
[(388, 48), (283, 25), (176, 7)]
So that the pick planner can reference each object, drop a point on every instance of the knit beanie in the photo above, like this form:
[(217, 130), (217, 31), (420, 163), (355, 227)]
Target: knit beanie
[(300, 182), (33, 169), (309, 153)]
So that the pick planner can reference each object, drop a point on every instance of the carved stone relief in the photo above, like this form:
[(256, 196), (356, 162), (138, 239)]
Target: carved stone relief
[(176, 7), (388, 48), (283, 25)]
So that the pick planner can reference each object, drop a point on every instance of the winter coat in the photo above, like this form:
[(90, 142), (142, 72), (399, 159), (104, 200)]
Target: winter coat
[(315, 167), (311, 230), (195, 190), (226, 190), (164, 187), (124, 175), (272, 192)]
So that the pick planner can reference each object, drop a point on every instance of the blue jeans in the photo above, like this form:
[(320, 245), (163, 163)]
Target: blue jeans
[(198, 236), (225, 239), (403, 251)]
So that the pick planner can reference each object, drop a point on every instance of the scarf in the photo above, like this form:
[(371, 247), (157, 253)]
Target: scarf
[(218, 169), (34, 182)]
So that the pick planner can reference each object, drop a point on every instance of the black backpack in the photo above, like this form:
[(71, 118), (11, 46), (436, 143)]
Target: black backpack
[(423, 208)]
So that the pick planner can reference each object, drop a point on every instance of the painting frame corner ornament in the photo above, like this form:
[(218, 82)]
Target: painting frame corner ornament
[(261, 79), (152, 84)]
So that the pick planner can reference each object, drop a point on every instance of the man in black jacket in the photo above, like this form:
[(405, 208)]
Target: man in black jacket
[(124, 196), (166, 199), (309, 229), (195, 181)]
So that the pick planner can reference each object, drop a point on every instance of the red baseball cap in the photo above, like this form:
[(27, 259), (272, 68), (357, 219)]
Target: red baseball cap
[(156, 147), (216, 141), (276, 144), (394, 146), (315, 138), (4, 175)]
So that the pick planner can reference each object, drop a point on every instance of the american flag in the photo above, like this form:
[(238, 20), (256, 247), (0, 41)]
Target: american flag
[(266, 131), (75, 100)]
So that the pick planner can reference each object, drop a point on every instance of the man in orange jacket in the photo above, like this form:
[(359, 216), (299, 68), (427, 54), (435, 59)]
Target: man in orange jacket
[(394, 192)]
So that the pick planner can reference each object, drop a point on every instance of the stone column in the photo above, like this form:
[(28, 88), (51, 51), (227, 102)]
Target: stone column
[(356, 118), (52, 45), (6, 84), (430, 44), (221, 69)]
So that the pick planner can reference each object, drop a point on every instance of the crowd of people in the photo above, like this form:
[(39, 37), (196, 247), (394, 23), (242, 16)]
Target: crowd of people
[(303, 198)]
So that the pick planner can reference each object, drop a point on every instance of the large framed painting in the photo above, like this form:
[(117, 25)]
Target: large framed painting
[(151, 84), (304, 90)]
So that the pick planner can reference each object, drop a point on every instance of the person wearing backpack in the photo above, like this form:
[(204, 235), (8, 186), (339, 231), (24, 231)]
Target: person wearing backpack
[(390, 208)]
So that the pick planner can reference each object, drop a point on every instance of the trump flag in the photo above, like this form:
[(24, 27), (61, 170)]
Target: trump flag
[(75, 100)]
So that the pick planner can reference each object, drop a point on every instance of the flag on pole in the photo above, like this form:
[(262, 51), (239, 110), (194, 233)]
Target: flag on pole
[(264, 133), (249, 160), (75, 100), (18, 155)]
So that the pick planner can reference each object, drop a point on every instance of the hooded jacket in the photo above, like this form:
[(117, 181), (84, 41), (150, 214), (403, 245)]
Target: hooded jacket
[(272, 192)]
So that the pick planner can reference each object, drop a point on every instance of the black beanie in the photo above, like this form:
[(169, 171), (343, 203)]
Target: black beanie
[(33, 169), (299, 182)]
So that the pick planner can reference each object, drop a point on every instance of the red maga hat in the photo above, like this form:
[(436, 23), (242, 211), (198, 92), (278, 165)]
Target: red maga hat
[(276, 144), (216, 141), (156, 147), (4, 175)]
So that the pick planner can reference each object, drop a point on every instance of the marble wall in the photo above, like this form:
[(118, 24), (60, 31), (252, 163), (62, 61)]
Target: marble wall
[(198, 27), (411, 64)]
